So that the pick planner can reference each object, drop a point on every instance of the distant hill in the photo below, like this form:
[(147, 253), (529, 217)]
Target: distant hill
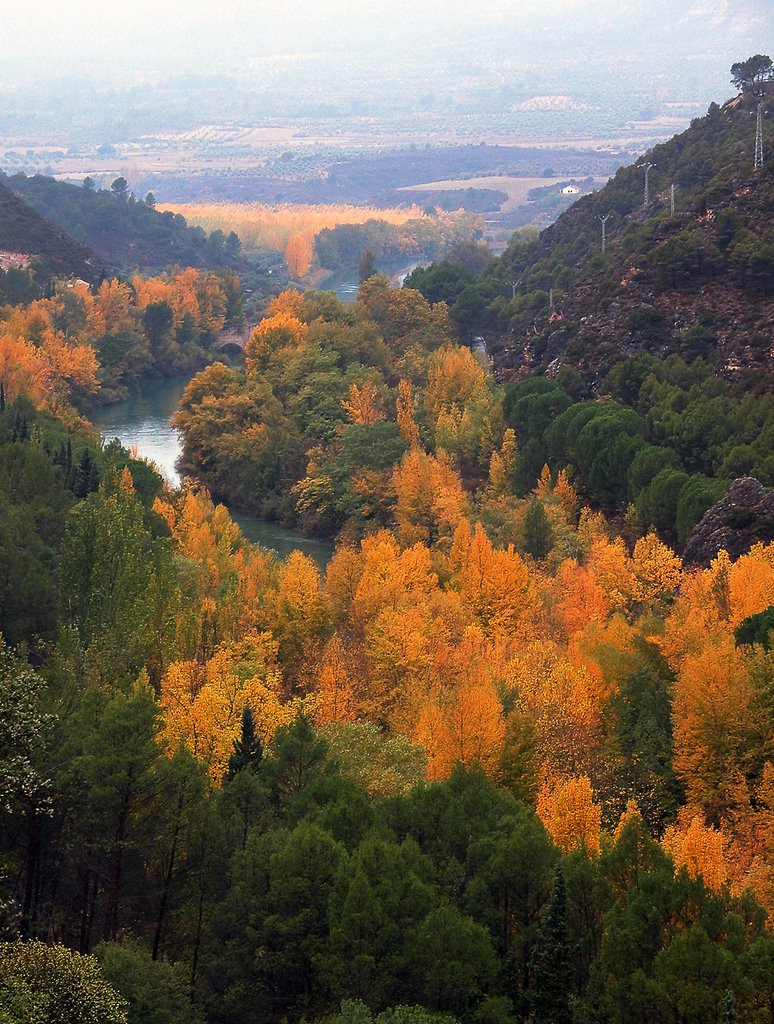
[(700, 282), (24, 230), (124, 235)]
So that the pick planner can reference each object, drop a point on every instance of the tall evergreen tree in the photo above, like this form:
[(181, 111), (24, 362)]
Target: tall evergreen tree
[(550, 965), (538, 538), (248, 749)]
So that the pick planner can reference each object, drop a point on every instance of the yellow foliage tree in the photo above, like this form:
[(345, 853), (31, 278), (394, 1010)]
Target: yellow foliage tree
[(657, 570), (290, 303), (299, 253), (494, 583), (298, 614), (430, 500), (454, 378), (203, 703), (714, 726), (572, 819), (334, 685), (698, 847), (579, 599), (273, 335), (405, 410)]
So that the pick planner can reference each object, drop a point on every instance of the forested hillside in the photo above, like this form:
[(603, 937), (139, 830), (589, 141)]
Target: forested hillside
[(124, 234), (645, 369), (699, 282)]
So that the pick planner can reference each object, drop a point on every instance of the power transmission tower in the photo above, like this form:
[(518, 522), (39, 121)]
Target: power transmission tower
[(672, 200), (759, 138), (648, 169), (603, 221)]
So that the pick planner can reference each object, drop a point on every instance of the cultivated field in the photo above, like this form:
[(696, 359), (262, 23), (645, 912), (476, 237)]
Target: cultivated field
[(517, 189)]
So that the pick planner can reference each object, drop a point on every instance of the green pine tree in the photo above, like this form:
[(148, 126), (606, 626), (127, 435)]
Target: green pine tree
[(248, 749), (550, 963), (538, 539)]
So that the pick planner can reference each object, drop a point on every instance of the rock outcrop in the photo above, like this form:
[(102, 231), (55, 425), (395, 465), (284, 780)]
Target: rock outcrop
[(742, 518)]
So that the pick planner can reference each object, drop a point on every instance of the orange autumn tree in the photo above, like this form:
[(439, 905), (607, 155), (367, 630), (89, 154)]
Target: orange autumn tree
[(399, 647), (299, 253), (467, 728), (712, 602), (405, 407), (494, 583), (611, 566), (579, 599), (290, 302), (334, 688), (389, 577), (566, 706), (341, 581), (430, 499), (715, 726), (273, 335), (49, 372), (198, 295), (364, 406), (572, 819), (114, 301)]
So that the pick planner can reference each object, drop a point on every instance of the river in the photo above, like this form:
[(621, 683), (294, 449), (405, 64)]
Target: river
[(346, 284), (142, 423)]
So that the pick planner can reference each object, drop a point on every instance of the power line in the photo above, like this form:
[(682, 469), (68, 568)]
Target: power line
[(603, 221)]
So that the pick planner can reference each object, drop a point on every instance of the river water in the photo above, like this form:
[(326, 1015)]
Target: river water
[(142, 423)]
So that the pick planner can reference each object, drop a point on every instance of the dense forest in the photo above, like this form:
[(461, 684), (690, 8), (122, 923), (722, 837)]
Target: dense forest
[(507, 759)]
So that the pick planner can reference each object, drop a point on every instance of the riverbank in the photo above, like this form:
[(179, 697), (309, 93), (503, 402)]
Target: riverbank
[(141, 423)]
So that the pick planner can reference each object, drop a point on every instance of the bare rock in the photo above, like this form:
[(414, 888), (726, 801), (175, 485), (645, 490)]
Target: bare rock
[(742, 518)]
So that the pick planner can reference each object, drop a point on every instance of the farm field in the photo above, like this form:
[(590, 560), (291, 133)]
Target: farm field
[(517, 189)]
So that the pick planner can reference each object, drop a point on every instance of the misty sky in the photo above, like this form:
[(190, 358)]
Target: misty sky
[(150, 37)]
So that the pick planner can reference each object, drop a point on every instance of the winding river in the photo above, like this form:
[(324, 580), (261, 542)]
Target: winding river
[(142, 423)]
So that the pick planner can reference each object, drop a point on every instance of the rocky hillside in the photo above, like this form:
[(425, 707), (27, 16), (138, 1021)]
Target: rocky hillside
[(24, 232), (699, 282)]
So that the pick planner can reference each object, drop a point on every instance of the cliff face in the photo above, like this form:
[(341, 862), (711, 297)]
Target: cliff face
[(739, 520)]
